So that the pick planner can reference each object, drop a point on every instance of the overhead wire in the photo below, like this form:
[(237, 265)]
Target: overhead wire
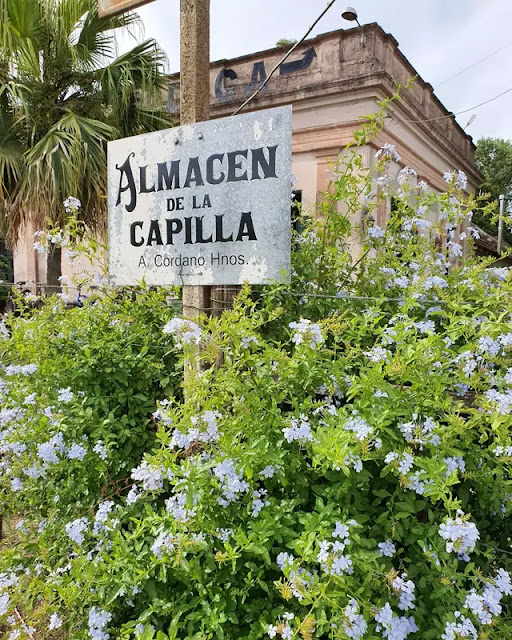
[(285, 57), (450, 115), (471, 66), (457, 113)]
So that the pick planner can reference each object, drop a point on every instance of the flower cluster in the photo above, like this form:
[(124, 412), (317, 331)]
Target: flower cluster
[(72, 205), (394, 627), (55, 622), (457, 178), (388, 152), (152, 478), (331, 554), (418, 432), (231, 482), (354, 625), (461, 535), (306, 330), (75, 529), (462, 628), (185, 440), (405, 590), (282, 627), (403, 461), (98, 620), (359, 427), (178, 506), (377, 354), (386, 548), (376, 232), (487, 605), (299, 430), (164, 543), (184, 332), (20, 369)]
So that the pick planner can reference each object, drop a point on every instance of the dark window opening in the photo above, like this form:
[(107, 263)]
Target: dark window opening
[(297, 218), (6, 265), (6, 273)]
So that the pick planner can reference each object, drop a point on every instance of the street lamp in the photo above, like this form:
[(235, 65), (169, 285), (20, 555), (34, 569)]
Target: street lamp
[(350, 14)]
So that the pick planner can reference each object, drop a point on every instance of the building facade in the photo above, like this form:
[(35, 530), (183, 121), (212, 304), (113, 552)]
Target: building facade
[(332, 81)]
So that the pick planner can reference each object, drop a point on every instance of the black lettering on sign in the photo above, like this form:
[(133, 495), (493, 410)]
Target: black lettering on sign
[(133, 240), (188, 230), (259, 75), (168, 175), (175, 204), (219, 230), (194, 173), (246, 227), (210, 177), (225, 93), (154, 236), (126, 170), (298, 65), (174, 226), (143, 181), (268, 166), (235, 166), (200, 239)]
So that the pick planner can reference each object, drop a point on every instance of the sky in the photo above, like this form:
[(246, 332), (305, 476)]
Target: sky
[(439, 37)]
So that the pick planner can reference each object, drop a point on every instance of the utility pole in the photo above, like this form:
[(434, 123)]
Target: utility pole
[(195, 103), (500, 224)]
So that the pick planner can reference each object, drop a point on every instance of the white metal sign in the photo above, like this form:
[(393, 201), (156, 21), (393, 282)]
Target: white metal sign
[(202, 204)]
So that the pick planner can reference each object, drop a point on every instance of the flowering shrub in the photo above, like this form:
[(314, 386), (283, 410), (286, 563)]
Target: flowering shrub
[(343, 471), (77, 392)]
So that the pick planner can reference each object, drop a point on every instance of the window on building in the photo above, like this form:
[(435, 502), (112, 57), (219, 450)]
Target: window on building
[(6, 273), (398, 213), (297, 218)]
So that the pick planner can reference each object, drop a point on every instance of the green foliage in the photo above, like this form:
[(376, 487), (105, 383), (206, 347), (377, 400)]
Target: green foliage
[(116, 365), (285, 42), (367, 403), (63, 95), (494, 160)]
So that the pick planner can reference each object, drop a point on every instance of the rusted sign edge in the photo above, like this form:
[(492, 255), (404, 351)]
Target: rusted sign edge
[(108, 8)]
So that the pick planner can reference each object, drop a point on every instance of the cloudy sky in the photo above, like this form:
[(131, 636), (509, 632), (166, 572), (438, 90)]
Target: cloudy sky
[(440, 37)]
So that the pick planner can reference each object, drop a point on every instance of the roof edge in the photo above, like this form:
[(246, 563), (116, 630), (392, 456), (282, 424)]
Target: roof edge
[(372, 26)]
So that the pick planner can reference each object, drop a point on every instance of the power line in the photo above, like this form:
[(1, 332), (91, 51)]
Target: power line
[(458, 113), (477, 62), (285, 57)]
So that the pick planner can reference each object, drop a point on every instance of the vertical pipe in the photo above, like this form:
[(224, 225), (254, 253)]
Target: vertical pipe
[(500, 224)]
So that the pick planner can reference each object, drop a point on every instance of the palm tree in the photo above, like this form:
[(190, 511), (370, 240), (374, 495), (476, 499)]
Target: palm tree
[(63, 95)]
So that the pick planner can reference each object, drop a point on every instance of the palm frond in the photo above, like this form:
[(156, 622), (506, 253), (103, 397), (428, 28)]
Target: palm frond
[(11, 154), (20, 32), (145, 119), (62, 97), (68, 160), (139, 70)]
